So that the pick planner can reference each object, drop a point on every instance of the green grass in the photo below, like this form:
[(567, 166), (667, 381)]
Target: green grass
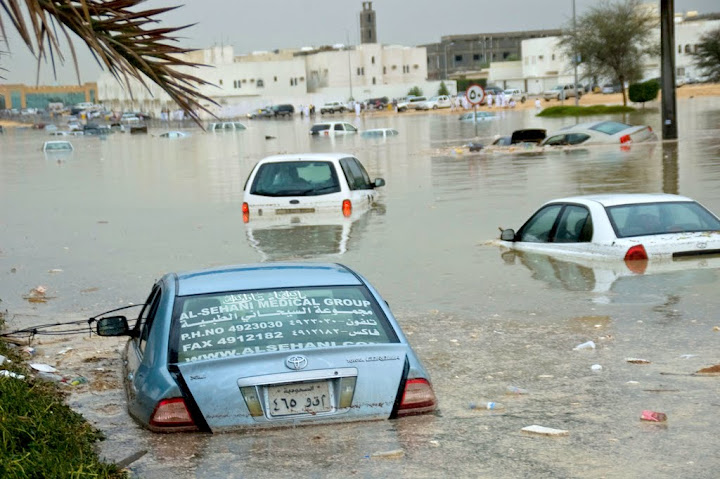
[(40, 436), (571, 110)]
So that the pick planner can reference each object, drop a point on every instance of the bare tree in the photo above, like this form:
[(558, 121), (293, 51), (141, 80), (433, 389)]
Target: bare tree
[(707, 55), (123, 39), (613, 40)]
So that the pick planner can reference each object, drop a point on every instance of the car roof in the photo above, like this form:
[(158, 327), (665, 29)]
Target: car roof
[(263, 276), (622, 199), (330, 156)]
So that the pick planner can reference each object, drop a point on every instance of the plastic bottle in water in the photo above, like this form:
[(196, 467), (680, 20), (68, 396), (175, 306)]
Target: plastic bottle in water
[(490, 405)]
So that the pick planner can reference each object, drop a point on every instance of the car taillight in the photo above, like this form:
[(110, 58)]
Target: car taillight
[(625, 139), (245, 208), (418, 398), (636, 259), (346, 207), (171, 413)]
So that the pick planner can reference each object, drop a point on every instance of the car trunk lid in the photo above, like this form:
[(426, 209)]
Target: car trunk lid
[(348, 383)]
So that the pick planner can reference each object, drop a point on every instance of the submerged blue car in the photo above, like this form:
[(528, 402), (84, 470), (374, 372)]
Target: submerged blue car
[(271, 344)]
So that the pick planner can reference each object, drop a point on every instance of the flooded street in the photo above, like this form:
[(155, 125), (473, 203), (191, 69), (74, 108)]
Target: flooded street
[(114, 215)]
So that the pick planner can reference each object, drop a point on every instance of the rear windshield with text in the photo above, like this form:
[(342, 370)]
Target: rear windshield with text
[(245, 323)]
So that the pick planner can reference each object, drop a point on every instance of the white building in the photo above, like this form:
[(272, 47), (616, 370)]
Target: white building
[(242, 83)]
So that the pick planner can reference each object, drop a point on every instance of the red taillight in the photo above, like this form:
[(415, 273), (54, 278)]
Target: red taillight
[(171, 413), (418, 398), (625, 139), (346, 207), (245, 208), (650, 128), (636, 259)]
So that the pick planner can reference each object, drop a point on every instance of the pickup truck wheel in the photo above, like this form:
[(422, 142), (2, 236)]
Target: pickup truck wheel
[(435, 107), (523, 99), (547, 99)]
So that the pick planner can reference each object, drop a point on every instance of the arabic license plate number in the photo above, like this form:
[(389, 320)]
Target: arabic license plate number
[(299, 398), (291, 211)]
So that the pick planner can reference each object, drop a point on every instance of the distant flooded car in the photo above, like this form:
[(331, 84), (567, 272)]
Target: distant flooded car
[(379, 133), (622, 226), (57, 146), (333, 128), (269, 344), (308, 183), (600, 132), (226, 126), (174, 134), (477, 116)]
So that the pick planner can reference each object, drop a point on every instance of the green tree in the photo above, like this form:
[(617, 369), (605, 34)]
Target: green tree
[(443, 89), (123, 39), (645, 91), (612, 40), (415, 91), (707, 55)]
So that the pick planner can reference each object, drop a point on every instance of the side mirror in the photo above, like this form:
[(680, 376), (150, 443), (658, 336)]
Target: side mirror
[(378, 182), (507, 235), (113, 326)]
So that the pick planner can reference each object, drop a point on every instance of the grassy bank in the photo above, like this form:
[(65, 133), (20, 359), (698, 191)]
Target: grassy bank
[(572, 110), (40, 436)]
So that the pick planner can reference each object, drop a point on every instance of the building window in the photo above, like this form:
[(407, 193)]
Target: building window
[(696, 47), (385, 70), (369, 34), (458, 58), (679, 48), (373, 80), (275, 78), (260, 84), (687, 50), (372, 60), (369, 18), (553, 57), (234, 83), (540, 58), (220, 82), (394, 67), (476, 57), (416, 66)]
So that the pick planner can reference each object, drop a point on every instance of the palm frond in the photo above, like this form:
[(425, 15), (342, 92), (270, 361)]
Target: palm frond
[(120, 37)]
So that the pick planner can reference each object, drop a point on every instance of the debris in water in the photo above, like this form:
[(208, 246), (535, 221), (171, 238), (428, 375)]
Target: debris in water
[(545, 431), (43, 368), (9, 374), (585, 345), (37, 295), (395, 453), (710, 370), (596, 367), (56, 270), (653, 416), (516, 390), (637, 361)]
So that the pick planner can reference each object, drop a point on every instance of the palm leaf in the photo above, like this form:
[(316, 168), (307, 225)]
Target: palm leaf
[(120, 37)]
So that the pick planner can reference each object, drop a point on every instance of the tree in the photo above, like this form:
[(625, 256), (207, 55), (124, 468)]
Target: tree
[(443, 89), (415, 91), (645, 91), (612, 40), (122, 38), (707, 55)]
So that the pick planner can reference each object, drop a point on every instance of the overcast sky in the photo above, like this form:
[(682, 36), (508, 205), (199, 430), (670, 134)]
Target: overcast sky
[(270, 24)]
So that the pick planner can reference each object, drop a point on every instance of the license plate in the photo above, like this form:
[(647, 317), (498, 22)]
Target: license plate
[(290, 211), (300, 398)]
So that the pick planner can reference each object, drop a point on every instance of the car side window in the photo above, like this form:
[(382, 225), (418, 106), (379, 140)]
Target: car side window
[(577, 138), (338, 127), (538, 228), (556, 140), (355, 174), (575, 225), (145, 320), (350, 128)]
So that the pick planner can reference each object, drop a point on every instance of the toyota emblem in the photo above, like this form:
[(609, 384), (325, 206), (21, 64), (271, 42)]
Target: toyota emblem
[(296, 362)]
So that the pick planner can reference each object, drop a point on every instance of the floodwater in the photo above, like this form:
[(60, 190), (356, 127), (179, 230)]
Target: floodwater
[(117, 213)]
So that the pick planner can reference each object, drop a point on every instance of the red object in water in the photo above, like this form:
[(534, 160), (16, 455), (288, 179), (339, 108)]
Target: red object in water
[(653, 416)]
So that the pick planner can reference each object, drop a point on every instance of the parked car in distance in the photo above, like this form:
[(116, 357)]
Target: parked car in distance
[(332, 128), (268, 344), (379, 133), (266, 112), (129, 118), (562, 92), (515, 94), (283, 110), (226, 126), (308, 183), (619, 226), (435, 102), (332, 107), (477, 116), (378, 103), (57, 146), (493, 89), (600, 132), (413, 102), (609, 88)]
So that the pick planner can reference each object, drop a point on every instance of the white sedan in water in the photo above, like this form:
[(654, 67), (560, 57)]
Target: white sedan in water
[(627, 226), (600, 132)]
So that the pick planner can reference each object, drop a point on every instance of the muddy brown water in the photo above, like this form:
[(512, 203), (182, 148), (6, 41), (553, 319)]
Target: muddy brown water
[(117, 213)]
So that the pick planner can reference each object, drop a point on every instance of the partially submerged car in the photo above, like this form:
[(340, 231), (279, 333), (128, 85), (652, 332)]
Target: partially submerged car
[(269, 344), (57, 146), (174, 134), (600, 132), (308, 183), (621, 226), (480, 115), (333, 128), (379, 133), (226, 126)]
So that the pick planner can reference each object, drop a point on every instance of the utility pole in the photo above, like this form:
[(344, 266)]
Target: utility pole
[(347, 46), (575, 55), (667, 59)]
